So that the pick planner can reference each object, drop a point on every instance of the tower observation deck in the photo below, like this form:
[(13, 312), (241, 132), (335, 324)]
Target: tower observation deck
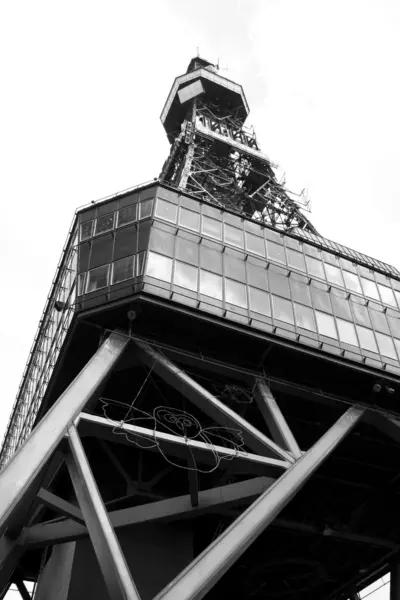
[(211, 404)]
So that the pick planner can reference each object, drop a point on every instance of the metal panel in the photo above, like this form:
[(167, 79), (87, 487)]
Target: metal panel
[(190, 91)]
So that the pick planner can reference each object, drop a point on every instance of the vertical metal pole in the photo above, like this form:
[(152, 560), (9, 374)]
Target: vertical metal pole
[(395, 580), (200, 576), (105, 543)]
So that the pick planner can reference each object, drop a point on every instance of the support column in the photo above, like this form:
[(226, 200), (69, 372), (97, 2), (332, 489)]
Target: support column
[(395, 579)]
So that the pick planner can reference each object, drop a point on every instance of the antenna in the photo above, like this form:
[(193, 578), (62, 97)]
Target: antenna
[(198, 52)]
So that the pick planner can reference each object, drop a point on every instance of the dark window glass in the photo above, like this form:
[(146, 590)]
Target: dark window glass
[(387, 295), (235, 293), (315, 267), (321, 300), (102, 248), (257, 277), (276, 252), (211, 227), (259, 301), (210, 284), (210, 259), (255, 244), (369, 288), (295, 259), (159, 266), (162, 242), (140, 260), (123, 269), (187, 251), (278, 284), (125, 242), (352, 282), (361, 315), (189, 219), (234, 269), (81, 283), (166, 210), (86, 230), (386, 345), (105, 223), (394, 324), (127, 215), (367, 339), (146, 208), (97, 278), (326, 324), (304, 317), (379, 321), (347, 332), (283, 309), (341, 307), (185, 276), (233, 235), (333, 275), (300, 292)]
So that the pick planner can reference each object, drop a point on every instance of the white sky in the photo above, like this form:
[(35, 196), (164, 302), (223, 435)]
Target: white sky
[(83, 85)]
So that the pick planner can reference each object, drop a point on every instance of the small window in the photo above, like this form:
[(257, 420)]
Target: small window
[(300, 292), (387, 295), (210, 284), (276, 252), (189, 219), (369, 288), (259, 301), (315, 267), (278, 284), (187, 251), (162, 241), (234, 268), (326, 324), (127, 215), (166, 210), (283, 309), (386, 345), (210, 259), (123, 269), (159, 266), (233, 236), (235, 293), (295, 259), (185, 276), (352, 282), (321, 300), (146, 208), (367, 339), (86, 230), (379, 321), (257, 276), (105, 223), (304, 317), (333, 275), (347, 332), (255, 244), (341, 307), (212, 228), (361, 315), (97, 278)]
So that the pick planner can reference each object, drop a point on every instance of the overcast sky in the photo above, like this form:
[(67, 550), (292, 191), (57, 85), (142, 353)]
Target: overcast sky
[(84, 82)]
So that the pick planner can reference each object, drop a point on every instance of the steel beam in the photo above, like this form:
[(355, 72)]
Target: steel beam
[(276, 422), (105, 543), (201, 575), (207, 402), (10, 553), (20, 472), (212, 500), (21, 587), (61, 506)]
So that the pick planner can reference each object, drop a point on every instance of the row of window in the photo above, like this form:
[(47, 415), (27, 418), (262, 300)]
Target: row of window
[(260, 301), (124, 216), (111, 273)]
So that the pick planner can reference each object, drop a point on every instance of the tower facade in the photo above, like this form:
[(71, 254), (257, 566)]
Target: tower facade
[(209, 408)]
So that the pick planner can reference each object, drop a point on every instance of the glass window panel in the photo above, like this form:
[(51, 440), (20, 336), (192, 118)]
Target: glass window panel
[(278, 284), (210, 259), (187, 251), (105, 223), (379, 321), (233, 235), (348, 265), (255, 244), (326, 324), (127, 215), (312, 251), (347, 332), (397, 294), (386, 345), (276, 252), (333, 275), (321, 300), (159, 266), (211, 227), (304, 317), (234, 268), (81, 283), (394, 324), (283, 309), (367, 338), (387, 295), (300, 292), (185, 276), (257, 276), (189, 219), (140, 260), (146, 208), (341, 307), (162, 242), (361, 315), (315, 267), (123, 269), (86, 230), (295, 259), (166, 210), (210, 284), (270, 234), (259, 301), (97, 278), (369, 288), (235, 293), (352, 282)]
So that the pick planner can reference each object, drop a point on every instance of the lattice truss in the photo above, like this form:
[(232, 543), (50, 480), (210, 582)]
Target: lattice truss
[(216, 158)]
